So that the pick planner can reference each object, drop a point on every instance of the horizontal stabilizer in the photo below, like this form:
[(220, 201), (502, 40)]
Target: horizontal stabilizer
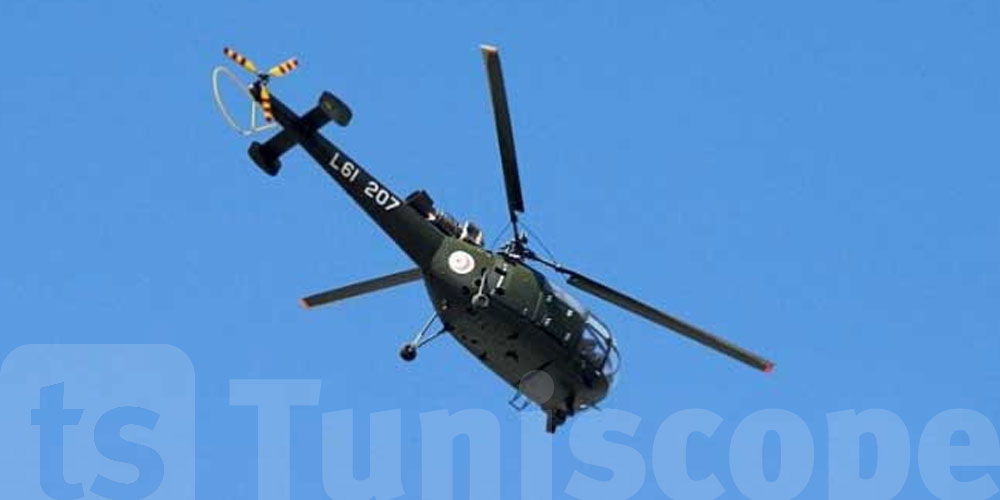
[(267, 156), (335, 109)]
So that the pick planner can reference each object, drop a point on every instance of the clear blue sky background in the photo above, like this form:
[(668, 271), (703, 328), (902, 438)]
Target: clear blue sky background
[(817, 181)]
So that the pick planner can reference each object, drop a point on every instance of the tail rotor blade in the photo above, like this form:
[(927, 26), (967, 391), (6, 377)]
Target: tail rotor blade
[(240, 59), (284, 68), (505, 134), (265, 103)]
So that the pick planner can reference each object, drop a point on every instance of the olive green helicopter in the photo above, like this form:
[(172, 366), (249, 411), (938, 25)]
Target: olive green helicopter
[(542, 341)]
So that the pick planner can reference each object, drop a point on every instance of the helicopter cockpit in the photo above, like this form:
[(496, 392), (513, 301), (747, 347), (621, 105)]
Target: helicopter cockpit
[(596, 343), (597, 346)]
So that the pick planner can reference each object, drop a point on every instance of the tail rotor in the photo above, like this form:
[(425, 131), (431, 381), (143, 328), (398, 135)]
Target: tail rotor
[(258, 89)]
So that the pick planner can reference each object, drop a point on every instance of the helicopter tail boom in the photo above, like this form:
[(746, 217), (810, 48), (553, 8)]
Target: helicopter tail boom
[(267, 156)]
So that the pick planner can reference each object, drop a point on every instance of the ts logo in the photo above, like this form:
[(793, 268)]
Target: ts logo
[(97, 421)]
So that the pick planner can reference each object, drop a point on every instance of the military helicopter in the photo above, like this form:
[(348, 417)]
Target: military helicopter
[(495, 303)]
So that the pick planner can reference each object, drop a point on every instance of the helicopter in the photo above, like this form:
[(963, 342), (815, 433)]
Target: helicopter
[(496, 303)]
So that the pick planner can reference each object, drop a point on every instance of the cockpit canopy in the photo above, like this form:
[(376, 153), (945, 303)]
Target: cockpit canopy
[(596, 343)]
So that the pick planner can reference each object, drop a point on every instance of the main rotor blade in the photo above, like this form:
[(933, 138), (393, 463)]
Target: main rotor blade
[(659, 317), (505, 134), (360, 288)]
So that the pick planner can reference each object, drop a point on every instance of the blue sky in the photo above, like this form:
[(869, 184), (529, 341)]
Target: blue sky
[(815, 181)]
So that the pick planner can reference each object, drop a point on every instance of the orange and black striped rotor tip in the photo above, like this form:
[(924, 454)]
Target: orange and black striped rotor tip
[(265, 103), (240, 59), (284, 68)]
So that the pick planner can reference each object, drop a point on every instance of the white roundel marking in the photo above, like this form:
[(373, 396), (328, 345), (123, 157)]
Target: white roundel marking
[(461, 262)]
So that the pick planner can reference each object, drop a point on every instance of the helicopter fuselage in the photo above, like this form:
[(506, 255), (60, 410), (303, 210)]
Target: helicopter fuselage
[(527, 331), (513, 320), (535, 336)]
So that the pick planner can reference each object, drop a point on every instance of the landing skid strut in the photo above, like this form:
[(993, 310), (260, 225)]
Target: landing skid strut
[(409, 350)]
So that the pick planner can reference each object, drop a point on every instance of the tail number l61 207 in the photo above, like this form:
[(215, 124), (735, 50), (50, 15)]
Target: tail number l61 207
[(381, 195)]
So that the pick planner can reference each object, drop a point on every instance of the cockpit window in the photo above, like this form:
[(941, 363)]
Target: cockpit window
[(596, 344), (598, 347), (568, 299)]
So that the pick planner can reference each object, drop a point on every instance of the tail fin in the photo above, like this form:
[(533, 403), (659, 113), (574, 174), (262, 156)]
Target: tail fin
[(267, 156)]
